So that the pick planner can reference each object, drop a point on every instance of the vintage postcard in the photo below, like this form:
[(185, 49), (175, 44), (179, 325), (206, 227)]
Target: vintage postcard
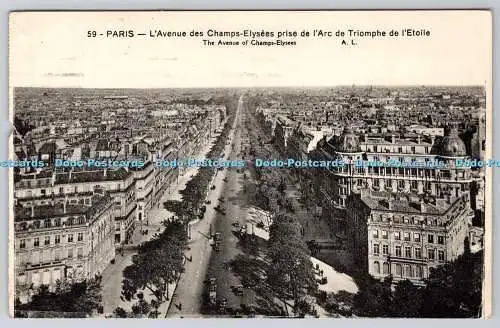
[(250, 164)]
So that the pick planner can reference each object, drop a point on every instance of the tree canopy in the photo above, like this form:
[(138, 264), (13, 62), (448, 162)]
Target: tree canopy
[(80, 298), (452, 290)]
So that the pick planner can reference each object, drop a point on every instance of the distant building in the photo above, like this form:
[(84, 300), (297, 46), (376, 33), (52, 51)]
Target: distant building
[(63, 240)]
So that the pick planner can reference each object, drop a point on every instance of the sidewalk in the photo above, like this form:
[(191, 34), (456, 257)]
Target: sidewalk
[(113, 274)]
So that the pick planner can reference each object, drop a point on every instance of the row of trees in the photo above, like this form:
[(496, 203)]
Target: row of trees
[(453, 290), (158, 263), (78, 299), (290, 272), (195, 192), (271, 182)]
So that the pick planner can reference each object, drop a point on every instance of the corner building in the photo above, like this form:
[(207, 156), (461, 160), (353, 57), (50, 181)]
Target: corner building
[(63, 241), (397, 220)]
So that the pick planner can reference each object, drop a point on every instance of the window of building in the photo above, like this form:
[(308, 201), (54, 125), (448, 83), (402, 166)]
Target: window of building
[(70, 253), (36, 242), (416, 237), (57, 222), (419, 272), (376, 249), (399, 271), (385, 249), (397, 235), (376, 267), (47, 240), (398, 251), (407, 236), (57, 255), (414, 184), (35, 259), (388, 183), (22, 243), (80, 252), (430, 254), (376, 183), (360, 181), (441, 240), (80, 236), (408, 271), (57, 239), (401, 184), (47, 256), (375, 233), (440, 255), (385, 268), (385, 234), (418, 252), (430, 239), (408, 252)]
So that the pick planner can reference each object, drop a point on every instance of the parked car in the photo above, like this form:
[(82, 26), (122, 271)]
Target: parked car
[(238, 290)]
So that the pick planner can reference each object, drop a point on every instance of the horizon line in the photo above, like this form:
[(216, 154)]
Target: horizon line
[(259, 87)]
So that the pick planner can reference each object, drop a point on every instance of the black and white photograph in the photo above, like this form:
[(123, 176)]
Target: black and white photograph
[(250, 164)]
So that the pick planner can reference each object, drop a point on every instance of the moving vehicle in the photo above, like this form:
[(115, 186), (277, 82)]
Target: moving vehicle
[(222, 305), (212, 288), (238, 290)]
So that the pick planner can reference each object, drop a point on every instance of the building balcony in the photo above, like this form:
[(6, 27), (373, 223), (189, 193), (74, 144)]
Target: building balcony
[(398, 259)]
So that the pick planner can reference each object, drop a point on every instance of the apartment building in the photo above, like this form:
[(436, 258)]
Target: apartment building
[(399, 203), (59, 239), (52, 184)]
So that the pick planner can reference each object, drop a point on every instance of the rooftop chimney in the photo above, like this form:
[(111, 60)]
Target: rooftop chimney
[(393, 139)]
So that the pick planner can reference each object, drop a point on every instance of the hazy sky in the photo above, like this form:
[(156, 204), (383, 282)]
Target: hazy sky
[(53, 50)]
